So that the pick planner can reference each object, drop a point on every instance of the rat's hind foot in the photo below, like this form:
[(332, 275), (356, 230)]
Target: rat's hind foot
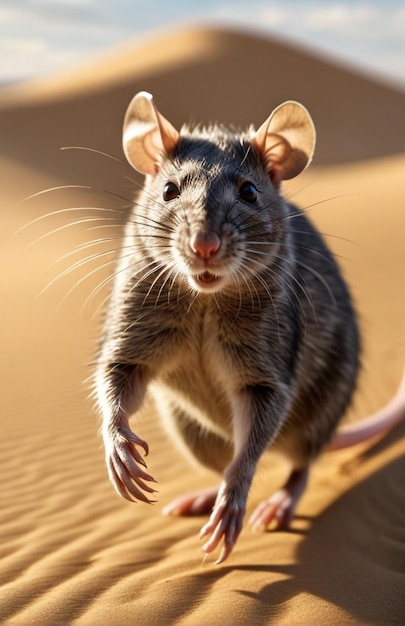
[(281, 506), (196, 503)]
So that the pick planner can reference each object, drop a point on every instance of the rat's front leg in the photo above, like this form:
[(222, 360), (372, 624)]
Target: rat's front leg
[(227, 516), (120, 391), (258, 415)]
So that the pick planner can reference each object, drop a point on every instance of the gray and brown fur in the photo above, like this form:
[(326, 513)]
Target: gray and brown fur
[(269, 360)]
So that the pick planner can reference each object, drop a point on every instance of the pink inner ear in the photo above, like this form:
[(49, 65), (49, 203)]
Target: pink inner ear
[(153, 147), (276, 150), (275, 177), (169, 136)]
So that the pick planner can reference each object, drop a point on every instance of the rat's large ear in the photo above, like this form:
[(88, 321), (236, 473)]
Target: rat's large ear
[(286, 140), (146, 134)]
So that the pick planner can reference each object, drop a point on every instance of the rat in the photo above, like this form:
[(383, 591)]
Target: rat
[(229, 307)]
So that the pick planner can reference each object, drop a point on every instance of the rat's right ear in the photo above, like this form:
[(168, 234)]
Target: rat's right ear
[(147, 135)]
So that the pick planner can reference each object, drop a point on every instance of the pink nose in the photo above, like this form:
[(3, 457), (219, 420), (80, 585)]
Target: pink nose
[(205, 244)]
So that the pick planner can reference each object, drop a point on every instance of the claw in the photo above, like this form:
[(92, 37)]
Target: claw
[(117, 484), (127, 460), (130, 436), (225, 552), (123, 460), (225, 523)]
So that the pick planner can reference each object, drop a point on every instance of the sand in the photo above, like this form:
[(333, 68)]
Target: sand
[(74, 552)]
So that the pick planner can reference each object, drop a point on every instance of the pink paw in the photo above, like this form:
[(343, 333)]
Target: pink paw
[(225, 524), (280, 507), (123, 461), (197, 503)]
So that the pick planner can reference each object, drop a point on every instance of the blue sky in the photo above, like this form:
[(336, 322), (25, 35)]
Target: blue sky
[(43, 36)]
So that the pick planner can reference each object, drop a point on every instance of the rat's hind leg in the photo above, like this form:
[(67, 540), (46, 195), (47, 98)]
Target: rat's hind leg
[(282, 504), (210, 450), (194, 503)]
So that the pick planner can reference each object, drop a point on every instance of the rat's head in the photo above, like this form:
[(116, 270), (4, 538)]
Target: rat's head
[(211, 196)]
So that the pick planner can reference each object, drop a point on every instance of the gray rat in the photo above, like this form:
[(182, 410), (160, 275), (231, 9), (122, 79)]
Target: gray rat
[(228, 305)]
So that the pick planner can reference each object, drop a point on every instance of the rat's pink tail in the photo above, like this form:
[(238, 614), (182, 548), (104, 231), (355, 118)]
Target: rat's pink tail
[(376, 424)]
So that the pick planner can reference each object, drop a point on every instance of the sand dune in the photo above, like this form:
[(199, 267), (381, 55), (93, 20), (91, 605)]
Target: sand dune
[(72, 551)]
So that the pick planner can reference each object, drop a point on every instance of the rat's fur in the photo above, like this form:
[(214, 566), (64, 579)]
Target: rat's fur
[(266, 355)]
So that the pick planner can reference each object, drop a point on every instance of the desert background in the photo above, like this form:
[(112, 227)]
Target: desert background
[(72, 552)]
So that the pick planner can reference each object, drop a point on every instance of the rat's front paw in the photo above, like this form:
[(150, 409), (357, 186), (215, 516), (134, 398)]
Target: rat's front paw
[(123, 463), (225, 523)]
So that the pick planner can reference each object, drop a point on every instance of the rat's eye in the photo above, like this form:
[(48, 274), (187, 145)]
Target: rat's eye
[(170, 192), (248, 192)]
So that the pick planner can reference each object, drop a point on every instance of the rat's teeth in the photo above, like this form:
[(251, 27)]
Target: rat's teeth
[(206, 281), (207, 277)]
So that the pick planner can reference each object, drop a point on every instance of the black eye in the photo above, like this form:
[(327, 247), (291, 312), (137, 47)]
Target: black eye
[(170, 192), (248, 192)]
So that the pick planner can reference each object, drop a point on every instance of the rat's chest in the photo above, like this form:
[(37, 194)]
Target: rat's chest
[(199, 378)]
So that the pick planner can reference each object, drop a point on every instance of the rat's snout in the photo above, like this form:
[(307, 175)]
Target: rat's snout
[(205, 244)]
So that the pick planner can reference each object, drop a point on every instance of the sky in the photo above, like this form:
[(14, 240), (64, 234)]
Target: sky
[(40, 37)]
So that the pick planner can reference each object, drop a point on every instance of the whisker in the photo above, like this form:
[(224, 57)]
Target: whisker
[(65, 210), (61, 228), (88, 149), (68, 271), (279, 277), (195, 296), (291, 277), (297, 191), (157, 278), (109, 226), (113, 276), (82, 279), (306, 208), (157, 228), (297, 211), (150, 223), (248, 150), (320, 278), (77, 265), (318, 253), (236, 283), (259, 279), (155, 267), (240, 275), (76, 186), (90, 244), (172, 272), (175, 278)]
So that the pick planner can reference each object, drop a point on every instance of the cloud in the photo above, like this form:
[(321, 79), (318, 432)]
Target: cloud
[(39, 36), (22, 47), (345, 19), (367, 34), (358, 20), (45, 11)]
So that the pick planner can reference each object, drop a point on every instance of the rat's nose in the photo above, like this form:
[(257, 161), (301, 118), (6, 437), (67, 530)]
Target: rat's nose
[(205, 244)]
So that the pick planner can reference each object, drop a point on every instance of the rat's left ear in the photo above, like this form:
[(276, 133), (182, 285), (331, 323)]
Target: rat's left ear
[(286, 140), (147, 135)]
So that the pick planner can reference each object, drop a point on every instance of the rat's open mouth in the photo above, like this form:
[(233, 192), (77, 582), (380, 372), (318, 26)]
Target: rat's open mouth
[(206, 278), (206, 281)]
